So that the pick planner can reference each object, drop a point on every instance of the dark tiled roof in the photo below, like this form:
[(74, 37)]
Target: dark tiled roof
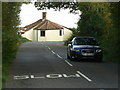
[(30, 26), (43, 24)]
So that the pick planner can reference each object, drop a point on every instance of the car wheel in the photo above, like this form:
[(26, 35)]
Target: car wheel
[(99, 60), (71, 58)]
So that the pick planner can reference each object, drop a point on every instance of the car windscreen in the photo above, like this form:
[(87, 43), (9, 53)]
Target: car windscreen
[(85, 41)]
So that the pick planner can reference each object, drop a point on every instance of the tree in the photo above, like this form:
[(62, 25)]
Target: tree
[(10, 21), (98, 19), (56, 5), (115, 41)]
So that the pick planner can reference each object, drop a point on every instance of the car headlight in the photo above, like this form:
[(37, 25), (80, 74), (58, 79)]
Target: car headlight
[(76, 50), (99, 50)]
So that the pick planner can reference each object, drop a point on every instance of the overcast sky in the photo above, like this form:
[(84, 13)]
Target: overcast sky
[(30, 14)]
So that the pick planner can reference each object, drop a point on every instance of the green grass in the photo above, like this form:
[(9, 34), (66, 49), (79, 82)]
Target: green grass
[(5, 68), (23, 40)]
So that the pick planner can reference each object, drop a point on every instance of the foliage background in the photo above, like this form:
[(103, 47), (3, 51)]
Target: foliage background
[(10, 37), (101, 20), (98, 19), (0, 45)]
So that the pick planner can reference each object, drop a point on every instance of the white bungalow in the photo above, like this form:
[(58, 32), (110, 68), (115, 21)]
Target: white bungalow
[(46, 30)]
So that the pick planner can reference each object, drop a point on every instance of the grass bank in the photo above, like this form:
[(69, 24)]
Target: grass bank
[(10, 59)]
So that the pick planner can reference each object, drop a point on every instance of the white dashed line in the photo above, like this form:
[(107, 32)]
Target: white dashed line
[(53, 52), (49, 48), (84, 76), (59, 56), (68, 63)]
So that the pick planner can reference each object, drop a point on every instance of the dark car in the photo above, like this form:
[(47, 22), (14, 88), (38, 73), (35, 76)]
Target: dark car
[(84, 47)]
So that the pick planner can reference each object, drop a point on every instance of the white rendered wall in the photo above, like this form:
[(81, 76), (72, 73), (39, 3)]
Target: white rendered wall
[(51, 35), (30, 34), (67, 34), (54, 35)]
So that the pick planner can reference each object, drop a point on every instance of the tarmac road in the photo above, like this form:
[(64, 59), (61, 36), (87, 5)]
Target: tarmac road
[(44, 65)]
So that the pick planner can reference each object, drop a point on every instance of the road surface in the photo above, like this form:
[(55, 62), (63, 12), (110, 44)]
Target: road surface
[(44, 65)]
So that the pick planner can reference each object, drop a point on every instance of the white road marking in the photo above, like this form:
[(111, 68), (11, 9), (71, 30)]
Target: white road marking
[(84, 76), (59, 56), (54, 76), (49, 48), (68, 63), (53, 52), (32, 76), (49, 76), (68, 76), (21, 77)]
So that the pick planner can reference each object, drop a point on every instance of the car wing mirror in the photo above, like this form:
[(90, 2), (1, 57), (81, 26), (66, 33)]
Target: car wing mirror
[(70, 44)]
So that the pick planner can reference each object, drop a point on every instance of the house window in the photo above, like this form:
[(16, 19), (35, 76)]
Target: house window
[(42, 33), (60, 33)]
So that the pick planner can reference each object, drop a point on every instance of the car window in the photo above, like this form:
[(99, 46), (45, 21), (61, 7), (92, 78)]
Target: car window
[(85, 41)]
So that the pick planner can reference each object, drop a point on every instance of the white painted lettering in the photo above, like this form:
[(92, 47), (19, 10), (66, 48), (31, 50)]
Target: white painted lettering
[(32, 76), (68, 76), (21, 77), (54, 76), (51, 76)]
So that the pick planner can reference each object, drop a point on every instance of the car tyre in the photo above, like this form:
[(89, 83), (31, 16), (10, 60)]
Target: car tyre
[(99, 60), (68, 57), (71, 59)]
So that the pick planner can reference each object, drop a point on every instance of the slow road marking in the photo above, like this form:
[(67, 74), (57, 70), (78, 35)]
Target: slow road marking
[(48, 76)]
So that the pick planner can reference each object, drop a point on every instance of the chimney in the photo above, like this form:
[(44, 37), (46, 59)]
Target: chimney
[(44, 15)]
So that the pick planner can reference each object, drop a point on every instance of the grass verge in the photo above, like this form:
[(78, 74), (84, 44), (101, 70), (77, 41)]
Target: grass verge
[(6, 65)]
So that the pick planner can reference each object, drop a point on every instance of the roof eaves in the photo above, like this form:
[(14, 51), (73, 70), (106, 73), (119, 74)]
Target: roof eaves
[(30, 26)]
